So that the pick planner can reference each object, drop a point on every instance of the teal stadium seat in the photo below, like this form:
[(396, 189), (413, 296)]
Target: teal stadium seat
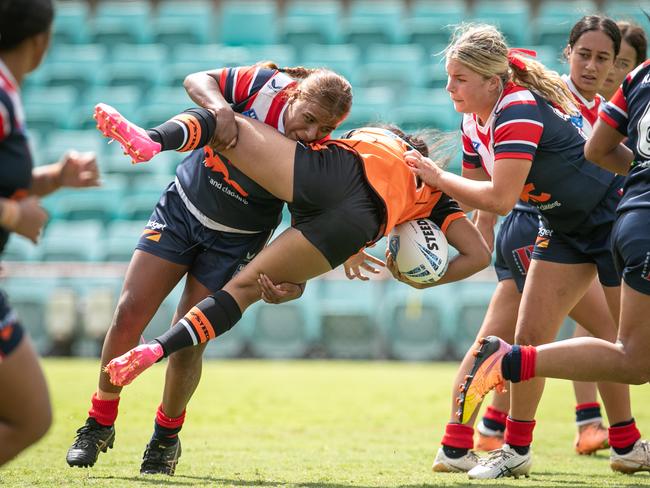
[(122, 237), (510, 17), (28, 298), (435, 72), (281, 54), (141, 65), (556, 18), (471, 299), (90, 203), (630, 10), (397, 66), (19, 248), (348, 314), (72, 241), (550, 57), (61, 141), (126, 98), (78, 66), (371, 106), (71, 23), (47, 109), (122, 22), (374, 22), (425, 109), (307, 22), (192, 58), (430, 24), (342, 58), (252, 22), (415, 322), (138, 206), (184, 22)]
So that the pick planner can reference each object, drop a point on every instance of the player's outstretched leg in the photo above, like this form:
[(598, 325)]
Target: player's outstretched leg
[(127, 367)]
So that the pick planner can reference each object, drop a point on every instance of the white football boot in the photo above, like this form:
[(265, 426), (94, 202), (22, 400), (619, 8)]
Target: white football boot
[(502, 463), (638, 459), (445, 464)]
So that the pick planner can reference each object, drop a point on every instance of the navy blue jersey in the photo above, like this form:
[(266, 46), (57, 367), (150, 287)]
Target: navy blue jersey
[(562, 184), (15, 156), (217, 193), (629, 113)]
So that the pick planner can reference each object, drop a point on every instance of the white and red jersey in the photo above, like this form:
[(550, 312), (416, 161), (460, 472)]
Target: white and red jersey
[(629, 112), (588, 108), (216, 193)]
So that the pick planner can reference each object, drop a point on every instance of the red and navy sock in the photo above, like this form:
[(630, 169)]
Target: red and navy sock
[(623, 436), (104, 412), (186, 131), (519, 363), (458, 439), (519, 434), (166, 428), (588, 413)]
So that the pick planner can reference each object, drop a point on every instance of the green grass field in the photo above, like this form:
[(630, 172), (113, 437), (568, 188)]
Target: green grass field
[(301, 424)]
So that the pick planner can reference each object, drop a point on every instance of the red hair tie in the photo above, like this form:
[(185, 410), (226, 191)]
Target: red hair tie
[(514, 57)]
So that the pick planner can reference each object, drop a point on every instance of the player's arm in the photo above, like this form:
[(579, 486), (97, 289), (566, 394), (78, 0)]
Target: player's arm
[(605, 149), (204, 89), (74, 170), (25, 217)]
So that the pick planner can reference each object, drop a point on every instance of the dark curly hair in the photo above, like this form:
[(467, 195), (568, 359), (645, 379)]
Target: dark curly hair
[(22, 19)]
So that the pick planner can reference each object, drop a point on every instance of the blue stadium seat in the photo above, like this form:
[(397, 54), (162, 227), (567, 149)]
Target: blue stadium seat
[(371, 22), (509, 17), (243, 23), (370, 106), (308, 22), (435, 72), (61, 141), (184, 22), (396, 66), (431, 23), (119, 22), (630, 10), (138, 206), (342, 58), (70, 23), (126, 99)]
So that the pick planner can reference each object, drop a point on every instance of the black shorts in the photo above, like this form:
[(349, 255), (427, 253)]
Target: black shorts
[(514, 246), (11, 332), (631, 248), (213, 256), (333, 205)]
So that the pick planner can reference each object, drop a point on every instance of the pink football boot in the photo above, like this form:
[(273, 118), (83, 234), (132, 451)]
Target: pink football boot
[(133, 139), (124, 369)]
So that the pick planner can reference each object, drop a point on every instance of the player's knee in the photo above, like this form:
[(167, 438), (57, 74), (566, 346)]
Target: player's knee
[(128, 318)]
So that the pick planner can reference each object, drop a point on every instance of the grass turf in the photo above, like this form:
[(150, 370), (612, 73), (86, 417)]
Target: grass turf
[(301, 424)]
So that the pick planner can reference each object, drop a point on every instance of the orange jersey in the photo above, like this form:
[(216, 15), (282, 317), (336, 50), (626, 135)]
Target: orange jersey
[(404, 196)]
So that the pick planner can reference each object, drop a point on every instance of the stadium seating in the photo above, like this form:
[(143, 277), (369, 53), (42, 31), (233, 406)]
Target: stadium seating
[(307, 22), (118, 22), (555, 19), (184, 22), (72, 241), (509, 16), (431, 23), (71, 23), (396, 66), (47, 109), (369, 22), (342, 58), (244, 23)]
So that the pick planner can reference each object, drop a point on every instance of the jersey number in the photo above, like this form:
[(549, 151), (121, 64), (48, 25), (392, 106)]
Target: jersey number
[(643, 143)]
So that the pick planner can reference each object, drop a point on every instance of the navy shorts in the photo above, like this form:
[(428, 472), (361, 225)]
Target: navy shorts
[(333, 205), (11, 332), (213, 256), (631, 248), (589, 243), (514, 246)]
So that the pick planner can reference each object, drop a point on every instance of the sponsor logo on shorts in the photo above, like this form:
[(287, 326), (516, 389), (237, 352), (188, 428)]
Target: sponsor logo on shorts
[(522, 257), (152, 235), (542, 242), (155, 225)]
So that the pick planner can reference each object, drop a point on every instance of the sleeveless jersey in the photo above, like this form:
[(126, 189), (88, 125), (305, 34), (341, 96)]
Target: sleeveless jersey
[(629, 113), (561, 184), (404, 196), (15, 155), (214, 191)]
